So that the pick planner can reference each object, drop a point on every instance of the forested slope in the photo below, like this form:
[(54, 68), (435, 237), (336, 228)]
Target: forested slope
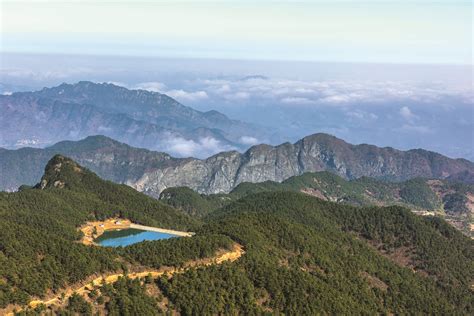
[(302, 255), (454, 201), (39, 251), (305, 256)]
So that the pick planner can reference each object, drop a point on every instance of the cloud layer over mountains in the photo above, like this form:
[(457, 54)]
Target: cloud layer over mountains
[(403, 106), (401, 114)]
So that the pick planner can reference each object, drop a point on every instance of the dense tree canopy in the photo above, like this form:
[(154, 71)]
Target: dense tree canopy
[(302, 255)]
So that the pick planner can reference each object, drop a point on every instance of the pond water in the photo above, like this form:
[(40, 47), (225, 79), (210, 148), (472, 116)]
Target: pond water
[(129, 236)]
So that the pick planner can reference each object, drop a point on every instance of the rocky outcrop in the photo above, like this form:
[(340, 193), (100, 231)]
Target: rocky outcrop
[(319, 152), (152, 172)]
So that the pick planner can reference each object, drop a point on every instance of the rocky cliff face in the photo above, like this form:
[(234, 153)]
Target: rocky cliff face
[(319, 152), (152, 172)]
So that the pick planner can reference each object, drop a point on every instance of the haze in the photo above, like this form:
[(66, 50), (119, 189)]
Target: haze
[(381, 72)]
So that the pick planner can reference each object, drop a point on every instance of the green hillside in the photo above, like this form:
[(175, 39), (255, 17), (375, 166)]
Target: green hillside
[(442, 197), (302, 255), (38, 229), (305, 256)]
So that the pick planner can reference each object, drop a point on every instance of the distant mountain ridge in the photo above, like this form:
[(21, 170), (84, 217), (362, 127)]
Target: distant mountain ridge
[(138, 117), (152, 172)]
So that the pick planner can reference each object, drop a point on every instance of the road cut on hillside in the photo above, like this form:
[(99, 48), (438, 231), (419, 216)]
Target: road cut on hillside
[(221, 256)]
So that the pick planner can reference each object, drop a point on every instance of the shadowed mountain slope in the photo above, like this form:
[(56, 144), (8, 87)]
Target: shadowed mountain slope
[(137, 117)]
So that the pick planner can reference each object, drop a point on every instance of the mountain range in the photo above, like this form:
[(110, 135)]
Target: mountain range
[(151, 172), (137, 117)]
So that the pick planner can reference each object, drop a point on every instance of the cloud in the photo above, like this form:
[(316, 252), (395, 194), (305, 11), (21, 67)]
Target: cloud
[(225, 88), (182, 95), (201, 148), (182, 147), (296, 100), (242, 95), (330, 93), (178, 94), (407, 114), (153, 86), (361, 116), (248, 140), (336, 99), (104, 129), (117, 83)]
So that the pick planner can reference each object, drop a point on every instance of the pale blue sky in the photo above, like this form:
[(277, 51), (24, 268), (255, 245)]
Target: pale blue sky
[(340, 31)]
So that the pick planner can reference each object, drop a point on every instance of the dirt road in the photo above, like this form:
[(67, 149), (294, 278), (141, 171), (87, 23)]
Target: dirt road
[(60, 299)]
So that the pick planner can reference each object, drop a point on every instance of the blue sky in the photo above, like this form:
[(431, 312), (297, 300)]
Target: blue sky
[(339, 31)]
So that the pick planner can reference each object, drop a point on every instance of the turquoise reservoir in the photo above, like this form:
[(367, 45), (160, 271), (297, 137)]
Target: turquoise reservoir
[(129, 236)]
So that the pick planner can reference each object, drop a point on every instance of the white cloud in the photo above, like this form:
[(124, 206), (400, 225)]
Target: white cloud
[(242, 95), (361, 116), (202, 148), (117, 83), (178, 94), (184, 96), (225, 88), (153, 86), (304, 90), (182, 147), (248, 140), (328, 93), (296, 100), (407, 114), (336, 99), (102, 129)]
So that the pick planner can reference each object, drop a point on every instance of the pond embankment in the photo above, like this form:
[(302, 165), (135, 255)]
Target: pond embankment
[(92, 230)]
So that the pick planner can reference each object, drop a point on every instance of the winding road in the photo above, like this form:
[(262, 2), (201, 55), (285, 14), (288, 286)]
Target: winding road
[(230, 255)]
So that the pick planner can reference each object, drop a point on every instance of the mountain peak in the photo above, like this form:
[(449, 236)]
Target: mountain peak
[(60, 172), (322, 137), (93, 142), (137, 117), (82, 87)]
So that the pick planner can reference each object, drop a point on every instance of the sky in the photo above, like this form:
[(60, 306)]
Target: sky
[(402, 106), (389, 73), (401, 31)]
